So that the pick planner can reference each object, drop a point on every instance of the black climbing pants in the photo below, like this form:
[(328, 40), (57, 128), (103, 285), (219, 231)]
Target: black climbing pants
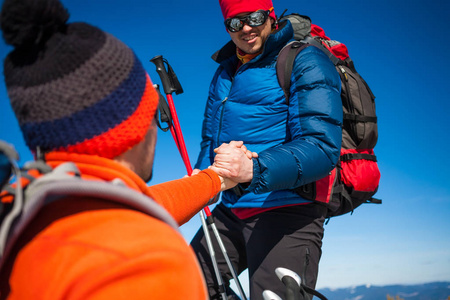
[(289, 237)]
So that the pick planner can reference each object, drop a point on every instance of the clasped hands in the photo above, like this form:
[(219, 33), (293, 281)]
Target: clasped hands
[(233, 163)]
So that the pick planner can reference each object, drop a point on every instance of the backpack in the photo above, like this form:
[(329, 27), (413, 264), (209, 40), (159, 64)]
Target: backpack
[(356, 177), (37, 185)]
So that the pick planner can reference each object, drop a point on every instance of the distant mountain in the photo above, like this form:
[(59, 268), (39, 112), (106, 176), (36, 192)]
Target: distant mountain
[(427, 291)]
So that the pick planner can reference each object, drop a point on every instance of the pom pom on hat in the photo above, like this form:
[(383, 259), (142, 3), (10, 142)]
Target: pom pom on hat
[(73, 87), (231, 8), (28, 22)]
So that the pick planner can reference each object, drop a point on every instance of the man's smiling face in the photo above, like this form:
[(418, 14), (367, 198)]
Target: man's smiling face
[(252, 39)]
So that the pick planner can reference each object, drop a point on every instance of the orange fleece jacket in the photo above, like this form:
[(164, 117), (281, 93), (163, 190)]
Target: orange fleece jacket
[(81, 249)]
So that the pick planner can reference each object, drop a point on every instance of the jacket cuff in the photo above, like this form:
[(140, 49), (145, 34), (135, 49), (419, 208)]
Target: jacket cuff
[(256, 175)]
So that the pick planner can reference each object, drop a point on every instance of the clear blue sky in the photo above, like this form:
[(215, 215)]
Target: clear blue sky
[(400, 48)]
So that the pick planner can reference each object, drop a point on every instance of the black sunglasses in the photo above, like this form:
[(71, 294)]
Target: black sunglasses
[(254, 19)]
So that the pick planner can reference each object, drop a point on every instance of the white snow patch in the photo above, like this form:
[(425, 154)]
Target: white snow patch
[(408, 295)]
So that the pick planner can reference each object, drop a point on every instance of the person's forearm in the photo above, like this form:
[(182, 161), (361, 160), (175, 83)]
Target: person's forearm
[(183, 198)]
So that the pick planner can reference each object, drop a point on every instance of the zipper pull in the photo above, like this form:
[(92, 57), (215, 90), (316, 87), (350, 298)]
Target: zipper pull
[(224, 100), (343, 72)]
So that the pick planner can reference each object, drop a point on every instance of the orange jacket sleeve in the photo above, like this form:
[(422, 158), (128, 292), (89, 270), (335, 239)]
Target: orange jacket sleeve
[(183, 198)]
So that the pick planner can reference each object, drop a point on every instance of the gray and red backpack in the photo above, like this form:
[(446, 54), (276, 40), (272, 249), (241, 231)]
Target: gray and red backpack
[(356, 177), (37, 185)]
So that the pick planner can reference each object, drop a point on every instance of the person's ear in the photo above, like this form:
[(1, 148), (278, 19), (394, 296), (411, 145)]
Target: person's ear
[(273, 23)]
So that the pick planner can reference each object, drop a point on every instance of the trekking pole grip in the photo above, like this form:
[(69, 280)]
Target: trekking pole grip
[(163, 74)]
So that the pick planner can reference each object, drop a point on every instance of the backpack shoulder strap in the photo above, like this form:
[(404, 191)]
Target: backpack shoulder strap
[(58, 185), (285, 64), (286, 57)]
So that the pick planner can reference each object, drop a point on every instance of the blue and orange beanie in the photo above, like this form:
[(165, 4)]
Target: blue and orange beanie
[(73, 87)]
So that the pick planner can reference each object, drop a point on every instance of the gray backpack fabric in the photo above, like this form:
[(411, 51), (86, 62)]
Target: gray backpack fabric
[(57, 184)]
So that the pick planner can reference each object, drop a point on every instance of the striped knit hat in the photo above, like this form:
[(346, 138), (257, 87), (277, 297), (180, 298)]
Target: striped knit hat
[(73, 87)]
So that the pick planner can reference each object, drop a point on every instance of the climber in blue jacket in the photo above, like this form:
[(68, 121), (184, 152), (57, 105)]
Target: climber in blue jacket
[(264, 223)]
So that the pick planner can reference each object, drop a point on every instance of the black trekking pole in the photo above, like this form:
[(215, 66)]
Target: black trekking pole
[(170, 85), (292, 282)]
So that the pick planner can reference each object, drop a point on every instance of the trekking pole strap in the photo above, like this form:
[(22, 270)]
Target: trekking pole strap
[(164, 111), (313, 292)]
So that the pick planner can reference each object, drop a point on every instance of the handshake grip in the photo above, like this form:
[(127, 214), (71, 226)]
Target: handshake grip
[(234, 161)]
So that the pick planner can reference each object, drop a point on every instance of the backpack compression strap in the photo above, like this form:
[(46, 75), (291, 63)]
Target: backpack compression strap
[(310, 40)]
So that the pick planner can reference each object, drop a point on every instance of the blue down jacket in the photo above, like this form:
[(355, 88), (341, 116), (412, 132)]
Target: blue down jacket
[(297, 143)]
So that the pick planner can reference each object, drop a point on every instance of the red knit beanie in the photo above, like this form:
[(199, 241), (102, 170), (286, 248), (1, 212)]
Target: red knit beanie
[(231, 8)]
